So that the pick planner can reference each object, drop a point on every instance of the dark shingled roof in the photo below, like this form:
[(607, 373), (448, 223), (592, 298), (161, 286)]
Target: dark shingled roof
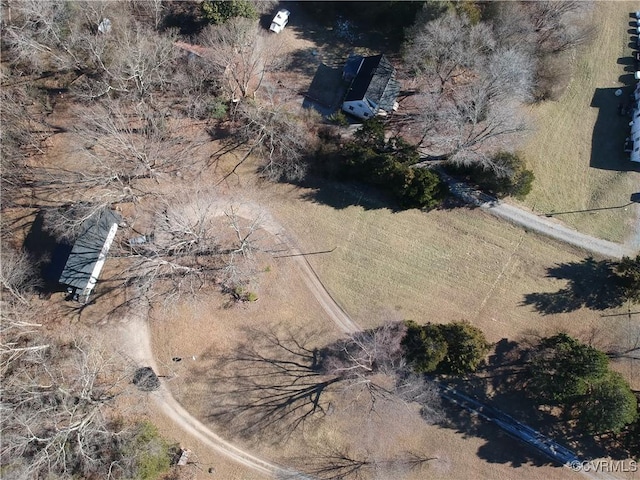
[(86, 249), (376, 82), (351, 66)]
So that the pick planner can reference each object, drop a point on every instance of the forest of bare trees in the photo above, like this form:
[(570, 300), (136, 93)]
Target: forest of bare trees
[(473, 84)]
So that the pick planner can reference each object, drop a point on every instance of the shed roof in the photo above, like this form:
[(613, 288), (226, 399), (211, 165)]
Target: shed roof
[(87, 249), (376, 82)]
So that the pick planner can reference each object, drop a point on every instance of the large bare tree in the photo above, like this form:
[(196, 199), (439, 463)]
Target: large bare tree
[(471, 89), (194, 240), (18, 316), (278, 381), (55, 409), (240, 55), (277, 136)]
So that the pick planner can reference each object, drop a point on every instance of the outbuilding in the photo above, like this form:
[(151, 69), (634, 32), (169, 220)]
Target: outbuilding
[(89, 252)]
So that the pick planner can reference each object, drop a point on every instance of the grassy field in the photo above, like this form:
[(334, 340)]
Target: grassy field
[(440, 266), (576, 150), (201, 331)]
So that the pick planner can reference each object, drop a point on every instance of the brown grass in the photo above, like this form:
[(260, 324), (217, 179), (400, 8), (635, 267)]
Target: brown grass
[(439, 266), (560, 149)]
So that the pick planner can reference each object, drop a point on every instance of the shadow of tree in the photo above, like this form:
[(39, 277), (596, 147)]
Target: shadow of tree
[(271, 384), (590, 284), (341, 195)]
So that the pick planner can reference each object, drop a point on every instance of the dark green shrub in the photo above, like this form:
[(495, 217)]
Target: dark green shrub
[(219, 11)]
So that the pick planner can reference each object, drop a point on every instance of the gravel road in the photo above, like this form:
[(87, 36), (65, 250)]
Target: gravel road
[(536, 223)]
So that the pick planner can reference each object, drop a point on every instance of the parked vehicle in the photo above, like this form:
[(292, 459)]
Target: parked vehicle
[(280, 21)]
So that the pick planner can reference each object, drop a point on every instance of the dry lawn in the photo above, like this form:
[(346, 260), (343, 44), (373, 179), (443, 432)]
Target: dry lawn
[(563, 145), (201, 330), (439, 266)]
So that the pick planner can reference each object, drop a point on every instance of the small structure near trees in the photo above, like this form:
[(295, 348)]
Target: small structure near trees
[(89, 252), (374, 88)]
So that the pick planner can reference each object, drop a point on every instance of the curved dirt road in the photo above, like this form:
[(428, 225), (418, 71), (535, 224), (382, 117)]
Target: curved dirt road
[(136, 341)]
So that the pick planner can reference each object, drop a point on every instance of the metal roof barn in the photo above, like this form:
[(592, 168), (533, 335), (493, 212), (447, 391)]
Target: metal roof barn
[(89, 252)]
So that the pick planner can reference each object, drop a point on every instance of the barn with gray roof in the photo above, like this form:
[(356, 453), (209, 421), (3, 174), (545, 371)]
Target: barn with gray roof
[(89, 252)]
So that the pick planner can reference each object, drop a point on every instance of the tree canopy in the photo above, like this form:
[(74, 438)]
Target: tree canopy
[(389, 164), (577, 378), (610, 406), (456, 348), (564, 368), (628, 272), (217, 11)]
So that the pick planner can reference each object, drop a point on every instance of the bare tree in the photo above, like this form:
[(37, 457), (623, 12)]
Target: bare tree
[(480, 85), (100, 41), (558, 25), (472, 126), (547, 31), (432, 49), (38, 33), (56, 413), (126, 142), (153, 9), (24, 130), (18, 322), (131, 60), (195, 240), (412, 387), (279, 378), (276, 136), (240, 55)]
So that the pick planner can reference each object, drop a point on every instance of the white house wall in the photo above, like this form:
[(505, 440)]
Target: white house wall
[(358, 108)]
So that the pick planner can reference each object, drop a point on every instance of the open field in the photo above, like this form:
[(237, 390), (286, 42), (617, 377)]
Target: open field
[(201, 331), (440, 266), (576, 149)]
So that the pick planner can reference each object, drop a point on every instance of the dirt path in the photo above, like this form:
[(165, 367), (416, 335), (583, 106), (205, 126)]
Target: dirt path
[(542, 225), (136, 344), (136, 340)]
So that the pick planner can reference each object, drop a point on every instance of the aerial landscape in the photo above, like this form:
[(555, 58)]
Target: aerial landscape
[(252, 239)]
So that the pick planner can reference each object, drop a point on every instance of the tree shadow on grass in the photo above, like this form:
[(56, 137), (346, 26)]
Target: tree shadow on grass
[(269, 386), (590, 284), (341, 195)]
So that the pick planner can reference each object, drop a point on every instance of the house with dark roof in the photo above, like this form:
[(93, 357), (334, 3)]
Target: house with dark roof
[(374, 88), (89, 252)]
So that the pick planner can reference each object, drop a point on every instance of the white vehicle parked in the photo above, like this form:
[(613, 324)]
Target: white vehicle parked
[(280, 21)]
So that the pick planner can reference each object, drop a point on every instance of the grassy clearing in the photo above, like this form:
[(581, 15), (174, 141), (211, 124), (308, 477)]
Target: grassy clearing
[(200, 331), (571, 136), (439, 267)]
